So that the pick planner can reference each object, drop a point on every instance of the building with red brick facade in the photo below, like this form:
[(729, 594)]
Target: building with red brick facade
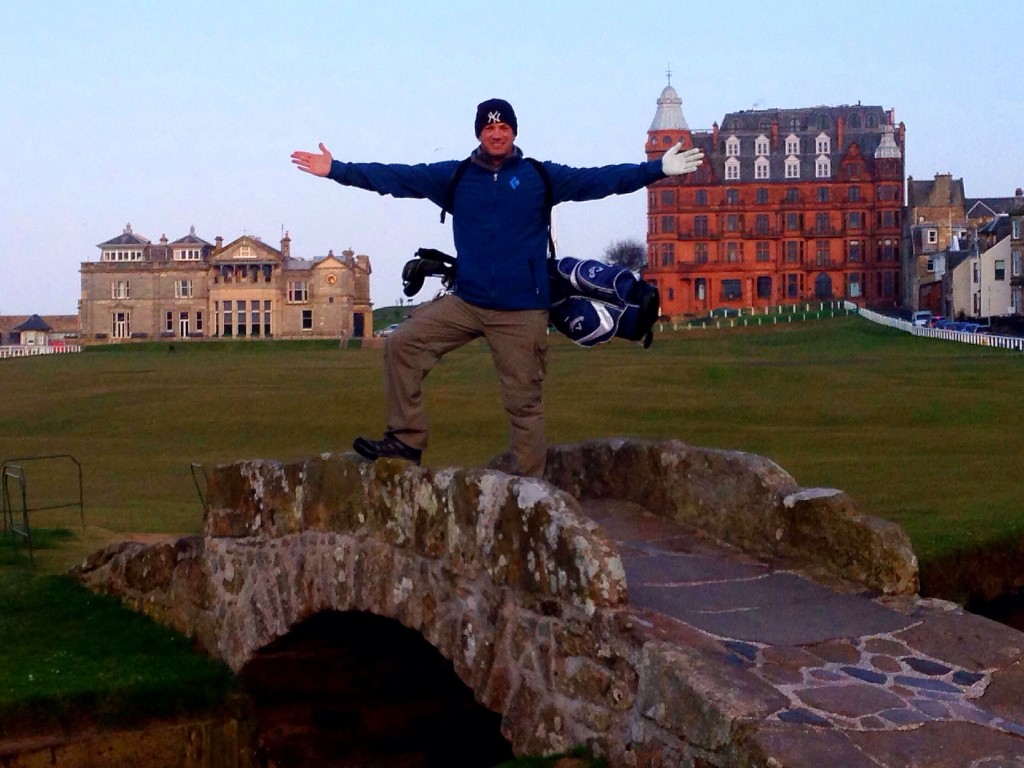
[(790, 205)]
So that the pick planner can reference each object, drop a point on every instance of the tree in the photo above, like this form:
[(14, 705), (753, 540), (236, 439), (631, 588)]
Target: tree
[(631, 254)]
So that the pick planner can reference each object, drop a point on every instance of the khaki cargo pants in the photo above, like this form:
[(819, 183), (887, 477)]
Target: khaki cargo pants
[(518, 343)]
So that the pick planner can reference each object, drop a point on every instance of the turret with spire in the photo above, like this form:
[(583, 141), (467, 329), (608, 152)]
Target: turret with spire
[(669, 125)]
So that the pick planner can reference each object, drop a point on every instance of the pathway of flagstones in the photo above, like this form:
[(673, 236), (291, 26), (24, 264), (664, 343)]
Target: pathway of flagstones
[(871, 681)]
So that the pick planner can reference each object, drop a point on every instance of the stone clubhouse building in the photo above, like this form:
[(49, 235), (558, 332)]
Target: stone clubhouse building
[(192, 289)]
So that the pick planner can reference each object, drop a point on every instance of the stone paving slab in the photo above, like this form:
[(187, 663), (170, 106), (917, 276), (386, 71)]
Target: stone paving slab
[(867, 681)]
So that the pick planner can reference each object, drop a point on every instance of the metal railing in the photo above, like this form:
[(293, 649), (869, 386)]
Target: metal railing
[(964, 337), (12, 478)]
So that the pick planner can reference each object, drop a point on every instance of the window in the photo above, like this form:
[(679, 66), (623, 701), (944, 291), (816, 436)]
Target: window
[(823, 144), (732, 196), (822, 253), (240, 317), (183, 289), (120, 289), (761, 224), (853, 194), (121, 325), (931, 236), (732, 223), (854, 120), (733, 253), (668, 254), (1016, 228), (886, 219), (792, 286), (793, 221), (254, 317), (700, 226), (853, 283), (700, 253), (823, 168), (199, 322), (763, 251), (794, 250), (668, 224), (764, 287), (168, 322), (307, 319), (183, 329), (668, 197), (854, 220), (792, 195), (930, 265), (821, 223), (761, 168), (700, 288), (792, 145), (761, 196), (761, 146), (227, 325), (1000, 266), (187, 254), (266, 317), (121, 254), (1015, 263), (792, 168), (854, 252), (732, 147), (732, 169), (823, 194), (975, 273), (731, 290), (701, 197), (298, 292)]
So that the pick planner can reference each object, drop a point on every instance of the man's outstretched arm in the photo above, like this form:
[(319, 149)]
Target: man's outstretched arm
[(319, 164)]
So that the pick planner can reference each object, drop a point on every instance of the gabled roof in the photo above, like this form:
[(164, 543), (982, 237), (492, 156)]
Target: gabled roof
[(978, 207)]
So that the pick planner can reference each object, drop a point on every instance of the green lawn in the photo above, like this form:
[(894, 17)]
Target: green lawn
[(918, 431)]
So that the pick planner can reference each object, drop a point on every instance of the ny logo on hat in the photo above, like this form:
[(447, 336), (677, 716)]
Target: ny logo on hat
[(494, 117)]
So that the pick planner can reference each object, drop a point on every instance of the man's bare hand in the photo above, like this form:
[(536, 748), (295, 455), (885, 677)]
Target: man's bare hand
[(311, 162)]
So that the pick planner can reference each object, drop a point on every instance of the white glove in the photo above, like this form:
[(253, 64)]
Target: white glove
[(676, 163)]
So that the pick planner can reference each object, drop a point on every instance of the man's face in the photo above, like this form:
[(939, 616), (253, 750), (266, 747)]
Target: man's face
[(497, 139)]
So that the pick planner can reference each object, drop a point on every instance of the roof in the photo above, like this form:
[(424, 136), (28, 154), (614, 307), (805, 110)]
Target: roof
[(34, 323), (978, 207), (669, 116), (942, 191), (126, 238), (191, 239)]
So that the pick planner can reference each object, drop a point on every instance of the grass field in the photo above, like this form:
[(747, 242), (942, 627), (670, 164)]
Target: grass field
[(916, 430)]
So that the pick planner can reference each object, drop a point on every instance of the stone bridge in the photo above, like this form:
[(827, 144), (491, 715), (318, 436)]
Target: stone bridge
[(529, 598)]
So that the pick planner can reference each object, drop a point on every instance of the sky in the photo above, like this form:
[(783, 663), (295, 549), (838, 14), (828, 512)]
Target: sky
[(173, 115)]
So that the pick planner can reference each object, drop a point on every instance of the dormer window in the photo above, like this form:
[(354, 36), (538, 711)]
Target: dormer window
[(761, 168), (823, 167), (732, 168), (823, 144), (732, 147), (187, 254), (122, 254), (792, 145), (761, 146), (792, 168)]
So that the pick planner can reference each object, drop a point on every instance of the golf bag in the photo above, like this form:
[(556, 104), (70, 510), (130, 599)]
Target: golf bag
[(593, 302)]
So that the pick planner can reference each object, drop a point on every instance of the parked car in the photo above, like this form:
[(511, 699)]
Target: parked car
[(935, 320), (921, 318), (388, 330)]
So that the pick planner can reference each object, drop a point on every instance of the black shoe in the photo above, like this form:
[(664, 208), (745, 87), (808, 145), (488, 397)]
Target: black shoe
[(388, 447)]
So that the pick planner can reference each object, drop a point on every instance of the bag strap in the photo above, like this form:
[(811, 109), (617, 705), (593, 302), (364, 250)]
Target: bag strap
[(545, 177)]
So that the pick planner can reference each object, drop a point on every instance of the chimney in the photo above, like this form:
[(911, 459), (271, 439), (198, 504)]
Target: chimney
[(775, 134), (218, 242), (714, 137), (840, 125), (286, 246)]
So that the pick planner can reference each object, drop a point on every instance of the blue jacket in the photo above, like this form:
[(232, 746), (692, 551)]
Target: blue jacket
[(498, 221)]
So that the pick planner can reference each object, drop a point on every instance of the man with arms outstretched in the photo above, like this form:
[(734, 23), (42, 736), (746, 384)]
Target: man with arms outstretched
[(500, 227)]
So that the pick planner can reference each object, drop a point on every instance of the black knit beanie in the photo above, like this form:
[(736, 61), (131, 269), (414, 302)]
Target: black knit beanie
[(495, 111)]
